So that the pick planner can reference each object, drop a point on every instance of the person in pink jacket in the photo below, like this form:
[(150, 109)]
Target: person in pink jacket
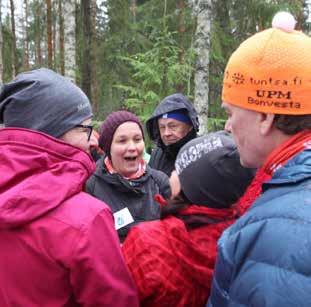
[(58, 244)]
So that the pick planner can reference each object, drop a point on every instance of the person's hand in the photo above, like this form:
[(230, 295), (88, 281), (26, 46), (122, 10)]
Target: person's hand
[(175, 184)]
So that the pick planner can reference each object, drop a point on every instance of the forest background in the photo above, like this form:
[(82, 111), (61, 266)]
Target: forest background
[(132, 53)]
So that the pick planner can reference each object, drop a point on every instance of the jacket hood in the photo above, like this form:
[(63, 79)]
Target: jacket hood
[(168, 104), (37, 174)]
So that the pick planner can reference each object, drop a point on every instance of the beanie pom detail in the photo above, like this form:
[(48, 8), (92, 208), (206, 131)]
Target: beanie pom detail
[(284, 21)]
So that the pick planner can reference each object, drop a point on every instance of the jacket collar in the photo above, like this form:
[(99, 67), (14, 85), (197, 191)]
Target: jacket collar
[(37, 174)]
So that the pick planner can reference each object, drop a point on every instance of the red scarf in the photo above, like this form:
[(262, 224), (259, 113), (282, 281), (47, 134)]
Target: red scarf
[(277, 159), (140, 171), (287, 150)]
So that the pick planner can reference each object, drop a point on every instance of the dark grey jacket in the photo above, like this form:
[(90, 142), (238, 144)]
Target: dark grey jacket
[(137, 195), (163, 157)]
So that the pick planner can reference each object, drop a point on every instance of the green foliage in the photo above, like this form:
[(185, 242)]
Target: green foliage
[(257, 14), (233, 22), (96, 125), (215, 124), (145, 56), (115, 39), (158, 72), (7, 51)]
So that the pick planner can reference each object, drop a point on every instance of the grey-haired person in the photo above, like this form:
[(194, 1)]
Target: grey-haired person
[(173, 123)]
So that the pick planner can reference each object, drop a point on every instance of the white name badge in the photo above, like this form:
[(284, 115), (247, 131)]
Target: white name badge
[(122, 218)]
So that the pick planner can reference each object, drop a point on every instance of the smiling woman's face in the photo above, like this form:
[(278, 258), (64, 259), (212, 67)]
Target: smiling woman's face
[(127, 149)]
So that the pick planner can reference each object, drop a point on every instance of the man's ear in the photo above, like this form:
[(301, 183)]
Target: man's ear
[(266, 122)]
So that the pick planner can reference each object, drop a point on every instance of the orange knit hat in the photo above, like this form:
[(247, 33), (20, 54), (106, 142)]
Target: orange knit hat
[(270, 72)]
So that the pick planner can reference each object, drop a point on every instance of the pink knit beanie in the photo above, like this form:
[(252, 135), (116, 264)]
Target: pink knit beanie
[(110, 125)]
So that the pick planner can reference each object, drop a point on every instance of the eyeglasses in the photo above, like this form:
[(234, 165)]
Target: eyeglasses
[(88, 129)]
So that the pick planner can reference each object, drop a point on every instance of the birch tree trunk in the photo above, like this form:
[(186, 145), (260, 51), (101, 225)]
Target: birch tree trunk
[(164, 90), (69, 39), (94, 64), (181, 33), (61, 38), (38, 55), (202, 10), (133, 9), (14, 53), (49, 31), (26, 36), (55, 33), (1, 45), (87, 45)]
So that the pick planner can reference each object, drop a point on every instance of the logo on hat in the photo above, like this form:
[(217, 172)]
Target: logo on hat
[(194, 152), (238, 78)]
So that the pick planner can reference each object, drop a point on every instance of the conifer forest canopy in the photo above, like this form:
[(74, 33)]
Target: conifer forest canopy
[(133, 53)]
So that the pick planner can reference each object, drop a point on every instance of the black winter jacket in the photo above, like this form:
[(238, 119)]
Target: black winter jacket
[(137, 195), (163, 157)]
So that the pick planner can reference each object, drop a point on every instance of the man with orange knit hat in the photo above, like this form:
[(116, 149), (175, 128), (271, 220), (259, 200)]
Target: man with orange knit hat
[(264, 258)]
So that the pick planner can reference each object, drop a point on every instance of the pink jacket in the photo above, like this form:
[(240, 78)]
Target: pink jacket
[(58, 244)]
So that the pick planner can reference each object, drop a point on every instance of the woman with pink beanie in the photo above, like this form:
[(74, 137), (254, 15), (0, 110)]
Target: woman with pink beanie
[(122, 178)]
